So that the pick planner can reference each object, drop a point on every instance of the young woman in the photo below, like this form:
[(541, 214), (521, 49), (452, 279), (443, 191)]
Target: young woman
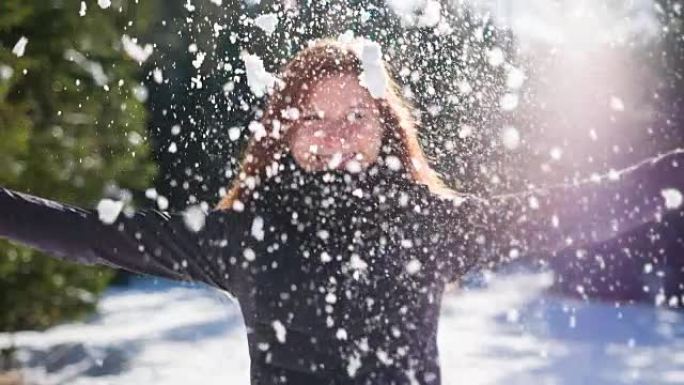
[(337, 238)]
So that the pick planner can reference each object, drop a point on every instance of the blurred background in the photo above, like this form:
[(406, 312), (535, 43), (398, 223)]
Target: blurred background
[(148, 101)]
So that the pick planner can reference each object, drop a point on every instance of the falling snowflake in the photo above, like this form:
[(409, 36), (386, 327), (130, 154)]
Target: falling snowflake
[(413, 266), (258, 228), (20, 47), (134, 51), (673, 198), (267, 22), (108, 210), (194, 218), (373, 77), (280, 331), (259, 80), (510, 137)]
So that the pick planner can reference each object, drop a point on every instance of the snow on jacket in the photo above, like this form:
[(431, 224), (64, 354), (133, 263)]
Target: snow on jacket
[(340, 276)]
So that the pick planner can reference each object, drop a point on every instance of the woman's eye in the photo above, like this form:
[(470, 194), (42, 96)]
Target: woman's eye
[(310, 118), (355, 115)]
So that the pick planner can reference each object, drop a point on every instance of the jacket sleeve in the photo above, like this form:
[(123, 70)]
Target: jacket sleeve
[(148, 242), (484, 232)]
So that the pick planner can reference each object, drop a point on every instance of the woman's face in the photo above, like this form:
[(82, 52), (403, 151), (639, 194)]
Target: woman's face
[(339, 127)]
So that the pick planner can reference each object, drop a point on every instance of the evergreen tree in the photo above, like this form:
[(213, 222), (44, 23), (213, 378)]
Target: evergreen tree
[(72, 126)]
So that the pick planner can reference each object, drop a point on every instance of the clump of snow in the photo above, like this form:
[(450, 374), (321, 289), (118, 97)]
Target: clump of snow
[(280, 331), (373, 76), (20, 47), (290, 113), (258, 228), (673, 198), (353, 365), (157, 75), (194, 218), (135, 51), (341, 334), (84, 8), (353, 166), (141, 93), (258, 129), (533, 202), (346, 37), (515, 78), (199, 59), (92, 67), (555, 221), (465, 131), (108, 210), (6, 71), (173, 148), (510, 137), (249, 254), (478, 344), (413, 266), (580, 26), (464, 87), (323, 234), (419, 13), (104, 4), (234, 133), (357, 263), (325, 257), (151, 193), (267, 22), (162, 202), (196, 82), (383, 357), (495, 57), (393, 163), (259, 80), (614, 175), (238, 206), (648, 268), (616, 104), (228, 88), (509, 102), (335, 160), (556, 153)]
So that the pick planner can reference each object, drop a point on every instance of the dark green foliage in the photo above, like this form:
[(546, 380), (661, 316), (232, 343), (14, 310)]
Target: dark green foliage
[(70, 126)]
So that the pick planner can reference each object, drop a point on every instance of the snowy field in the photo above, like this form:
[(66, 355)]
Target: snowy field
[(159, 332)]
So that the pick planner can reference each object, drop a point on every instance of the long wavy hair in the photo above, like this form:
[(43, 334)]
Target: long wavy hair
[(319, 60)]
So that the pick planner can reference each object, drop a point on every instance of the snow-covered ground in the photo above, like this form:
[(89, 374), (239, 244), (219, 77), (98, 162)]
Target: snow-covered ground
[(159, 332)]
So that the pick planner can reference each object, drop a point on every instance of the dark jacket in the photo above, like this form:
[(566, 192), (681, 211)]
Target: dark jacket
[(340, 276)]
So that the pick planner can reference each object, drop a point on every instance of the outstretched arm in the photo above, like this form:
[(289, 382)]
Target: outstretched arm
[(149, 242), (546, 220)]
